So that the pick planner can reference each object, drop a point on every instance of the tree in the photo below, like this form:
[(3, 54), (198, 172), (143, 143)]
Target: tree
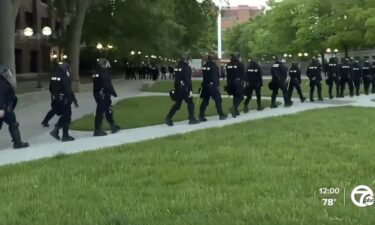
[(9, 10)]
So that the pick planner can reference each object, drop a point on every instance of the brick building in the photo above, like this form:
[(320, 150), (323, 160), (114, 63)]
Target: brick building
[(33, 54), (234, 15)]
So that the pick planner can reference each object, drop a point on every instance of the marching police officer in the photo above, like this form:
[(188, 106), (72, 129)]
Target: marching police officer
[(314, 73), (8, 102), (234, 84), (103, 90), (210, 88), (295, 81), (154, 71), (254, 82), (372, 70), (279, 74), (333, 77), (171, 71), (357, 76), (367, 78), (346, 78), (183, 91), (62, 99)]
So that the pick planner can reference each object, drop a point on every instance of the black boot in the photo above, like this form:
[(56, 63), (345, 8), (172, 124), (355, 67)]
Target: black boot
[(55, 133), (202, 119), (303, 99), (246, 109), (115, 128), (99, 133), (16, 137), (223, 117), (193, 121), (169, 122), (66, 137), (232, 112), (273, 105)]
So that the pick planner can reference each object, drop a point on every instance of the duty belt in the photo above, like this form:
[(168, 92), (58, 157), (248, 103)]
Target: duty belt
[(59, 96)]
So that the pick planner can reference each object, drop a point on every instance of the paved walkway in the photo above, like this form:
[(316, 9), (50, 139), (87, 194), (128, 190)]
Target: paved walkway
[(42, 145)]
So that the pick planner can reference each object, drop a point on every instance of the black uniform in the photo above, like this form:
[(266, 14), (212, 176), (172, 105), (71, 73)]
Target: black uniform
[(314, 73), (182, 92), (62, 99), (254, 82), (210, 88), (372, 71), (367, 78), (346, 78), (155, 72), (357, 76), (333, 77), (8, 101), (163, 70), (235, 79), (171, 71), (295, 81), (103, 90), (279, 74)]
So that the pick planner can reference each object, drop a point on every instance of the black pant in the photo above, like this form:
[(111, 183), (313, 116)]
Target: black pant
[(373, 84), (209, 91), (103, 107), (343, 82), (283, 86), (249, 94), (293, 83), (49, 116), (333, 80), (357, 85), (10, 119), (236, 90), (182, 95), (164, 76), (366, 83), (318, 85), (65, 112)]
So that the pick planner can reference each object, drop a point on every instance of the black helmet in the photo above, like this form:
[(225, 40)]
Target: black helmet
[(6, 73), (104, 63)]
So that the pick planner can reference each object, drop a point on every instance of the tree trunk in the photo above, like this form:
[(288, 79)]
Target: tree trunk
[(7, 30), (346, 51), (75, 41)]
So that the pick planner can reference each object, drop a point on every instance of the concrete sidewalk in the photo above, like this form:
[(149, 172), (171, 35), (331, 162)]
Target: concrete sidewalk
[(42, 145)]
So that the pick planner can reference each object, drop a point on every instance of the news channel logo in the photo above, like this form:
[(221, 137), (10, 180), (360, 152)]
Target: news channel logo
[(362, 196)]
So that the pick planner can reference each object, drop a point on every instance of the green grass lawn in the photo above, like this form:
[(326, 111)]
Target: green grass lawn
[(166, 86), (265, 172), (147, 111)]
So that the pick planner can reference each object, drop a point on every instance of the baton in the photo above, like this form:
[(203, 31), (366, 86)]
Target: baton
[(199, 97)]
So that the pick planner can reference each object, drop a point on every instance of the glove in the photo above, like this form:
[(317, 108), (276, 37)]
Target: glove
[(190, 94)]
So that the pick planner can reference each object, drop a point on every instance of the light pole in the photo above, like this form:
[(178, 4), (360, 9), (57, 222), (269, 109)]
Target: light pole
[(219, 36)]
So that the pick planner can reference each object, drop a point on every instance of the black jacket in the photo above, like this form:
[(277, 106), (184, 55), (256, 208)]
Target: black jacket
[(279, 72), (254, 75), (7, 95), (345, 71), (295, 73), (183, 74), (314, 72), (357, 71), (60, 84), (333, 68), (102, 82), (366, 69), (210, 74), (234, 70)]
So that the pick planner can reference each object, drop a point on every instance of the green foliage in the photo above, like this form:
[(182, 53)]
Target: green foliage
[(163, 27), (293, 26)]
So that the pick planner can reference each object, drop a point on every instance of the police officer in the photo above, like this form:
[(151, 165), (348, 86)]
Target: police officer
[(171, 71), (314, 73), (103, 90), (254, 82), (163, 70), (154, 71), (357, 76), (333, 77), (279, 74), (8, 102), (183, 91), (346, 78), (62, 99), (235, 79), (295, 81), (367, 78), (372, 70), (210, 88)]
